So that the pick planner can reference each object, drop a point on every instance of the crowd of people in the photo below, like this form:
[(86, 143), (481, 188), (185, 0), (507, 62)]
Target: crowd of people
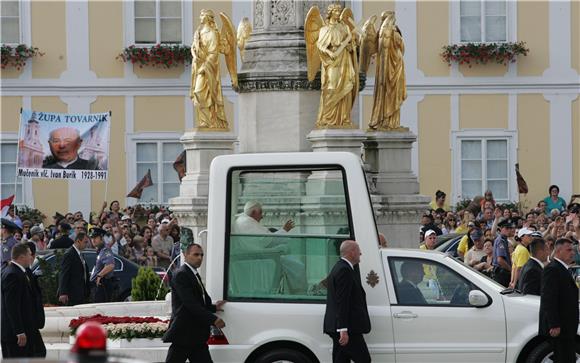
[(137, 233), (498, 239)]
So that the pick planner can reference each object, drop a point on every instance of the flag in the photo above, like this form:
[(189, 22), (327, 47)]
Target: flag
[(6, 203), (522, 185), (180, 165), (144, 183)]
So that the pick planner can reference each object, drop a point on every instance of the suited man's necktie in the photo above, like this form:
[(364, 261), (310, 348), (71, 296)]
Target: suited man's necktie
[(84, 267), (198, 278)]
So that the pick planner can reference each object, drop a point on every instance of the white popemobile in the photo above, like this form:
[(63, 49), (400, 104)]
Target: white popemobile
[(462, 317)]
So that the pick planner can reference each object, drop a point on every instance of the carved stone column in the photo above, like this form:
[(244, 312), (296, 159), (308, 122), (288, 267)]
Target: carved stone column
[(190, 207), (275, 95)]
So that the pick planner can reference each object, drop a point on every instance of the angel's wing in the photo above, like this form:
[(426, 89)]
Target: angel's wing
[(368, 44), (228, 37), (312, 27), (347, 17), (244, 31)]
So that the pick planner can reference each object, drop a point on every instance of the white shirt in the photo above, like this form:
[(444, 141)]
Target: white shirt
[(347, 261), (79, 252), (538, 261), (562, 262), (198, 278), (19, 266)]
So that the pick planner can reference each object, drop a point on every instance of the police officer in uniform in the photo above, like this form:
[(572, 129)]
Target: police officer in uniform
[(102, 277), (8, 240), (502, 261)]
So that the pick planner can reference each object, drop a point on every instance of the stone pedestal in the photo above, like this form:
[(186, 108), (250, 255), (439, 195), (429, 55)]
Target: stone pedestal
[(350, 140), (190, 207), (276, 121), (388, 155), (394, 187)]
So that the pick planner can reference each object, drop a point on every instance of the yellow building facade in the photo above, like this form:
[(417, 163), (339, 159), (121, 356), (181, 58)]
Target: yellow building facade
[(473, 123)]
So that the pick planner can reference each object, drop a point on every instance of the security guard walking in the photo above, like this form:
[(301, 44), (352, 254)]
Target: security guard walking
[(104, 284)]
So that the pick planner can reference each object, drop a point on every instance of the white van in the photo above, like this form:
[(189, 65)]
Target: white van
[(274, 281)]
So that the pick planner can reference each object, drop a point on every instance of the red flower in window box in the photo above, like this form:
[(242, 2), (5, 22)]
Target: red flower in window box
[(159, 55), (483, 53), (18, 55)]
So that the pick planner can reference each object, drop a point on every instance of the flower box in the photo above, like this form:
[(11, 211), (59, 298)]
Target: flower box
[(157, 56), (125, 328), (136, 343), (483, 53), (133, 343), (16, 56)]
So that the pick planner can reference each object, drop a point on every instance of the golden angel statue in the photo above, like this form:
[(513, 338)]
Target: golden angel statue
[(390, 86), (244, 31), (332, 43), (206, 89)]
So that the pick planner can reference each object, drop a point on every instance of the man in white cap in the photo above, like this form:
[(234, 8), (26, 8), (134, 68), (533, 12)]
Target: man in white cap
[(521, 254), (249, 221)]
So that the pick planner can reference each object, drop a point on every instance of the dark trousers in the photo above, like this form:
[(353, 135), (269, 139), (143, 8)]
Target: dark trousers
[(38, 347), (12, 350), (502, 276), (564, 349), (105, 292), (180, 353), (356, 350)]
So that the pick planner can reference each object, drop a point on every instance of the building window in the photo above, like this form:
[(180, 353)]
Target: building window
[(483, 21), (158, 156), (485, 165), (10, 19), (158, 21), (8, 179)]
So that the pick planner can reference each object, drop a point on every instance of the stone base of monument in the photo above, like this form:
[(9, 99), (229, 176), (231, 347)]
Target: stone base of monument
[(201, 147), (276, 121), (343, 139), (394, 187), (388, 155), (190, 207), (398, 217)]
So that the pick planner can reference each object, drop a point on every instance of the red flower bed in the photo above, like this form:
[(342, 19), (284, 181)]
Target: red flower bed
[(75, 323)]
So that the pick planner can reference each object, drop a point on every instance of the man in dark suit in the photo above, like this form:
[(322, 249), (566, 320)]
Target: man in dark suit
[(407, 290), (346, 318), (73, 279), (63, 241), (38, 347), (559, 303), (530, 280), (18, 325), (192, 312)]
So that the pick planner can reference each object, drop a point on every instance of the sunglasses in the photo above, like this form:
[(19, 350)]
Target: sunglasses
[(198, 254)]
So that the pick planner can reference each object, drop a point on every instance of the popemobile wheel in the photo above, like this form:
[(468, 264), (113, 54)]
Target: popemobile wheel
[(543, 354), (283, 356)]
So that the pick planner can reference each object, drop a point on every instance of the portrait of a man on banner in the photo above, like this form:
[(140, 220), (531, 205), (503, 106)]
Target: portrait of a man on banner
[(62, 141)]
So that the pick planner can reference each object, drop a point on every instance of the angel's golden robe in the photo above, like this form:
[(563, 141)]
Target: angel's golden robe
[(206, 88), (339, 78), (390, 88)]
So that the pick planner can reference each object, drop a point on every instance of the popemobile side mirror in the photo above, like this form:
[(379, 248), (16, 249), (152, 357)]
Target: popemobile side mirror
[(478, 299)]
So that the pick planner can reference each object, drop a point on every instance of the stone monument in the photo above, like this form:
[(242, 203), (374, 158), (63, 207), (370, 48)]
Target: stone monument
[(276, 97), (394, 187), (213, 135)]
